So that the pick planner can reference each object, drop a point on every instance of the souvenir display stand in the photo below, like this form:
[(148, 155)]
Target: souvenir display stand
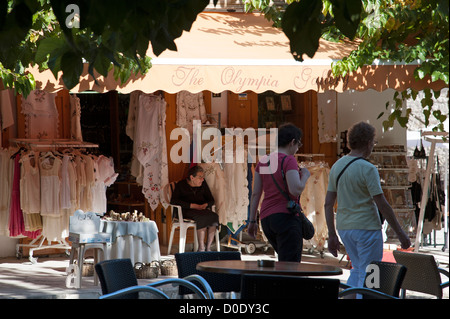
[(393, 169), (433, 138)]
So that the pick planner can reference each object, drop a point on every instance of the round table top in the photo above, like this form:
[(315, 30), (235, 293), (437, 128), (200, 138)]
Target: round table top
[(280, 268)]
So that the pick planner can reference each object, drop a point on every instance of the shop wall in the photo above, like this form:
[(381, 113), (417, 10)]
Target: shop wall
[(355, 106), (219, 103)]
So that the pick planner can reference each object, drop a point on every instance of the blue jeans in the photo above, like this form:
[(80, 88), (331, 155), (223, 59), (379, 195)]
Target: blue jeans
[(363, 247)]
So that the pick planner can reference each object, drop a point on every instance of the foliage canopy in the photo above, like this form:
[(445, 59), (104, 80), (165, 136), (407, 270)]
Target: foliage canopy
[(62, 35), (402, 31)]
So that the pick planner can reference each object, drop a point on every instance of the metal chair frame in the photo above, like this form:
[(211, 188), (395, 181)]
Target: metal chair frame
[(190, 282)]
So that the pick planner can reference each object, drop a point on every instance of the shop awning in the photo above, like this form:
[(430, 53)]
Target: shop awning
[(240, 52)]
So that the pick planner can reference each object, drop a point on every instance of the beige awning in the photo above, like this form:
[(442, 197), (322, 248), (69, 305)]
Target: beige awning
[(240, 52)]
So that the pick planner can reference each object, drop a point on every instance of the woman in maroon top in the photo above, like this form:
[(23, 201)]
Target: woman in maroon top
[(196, 200), (282, 228)]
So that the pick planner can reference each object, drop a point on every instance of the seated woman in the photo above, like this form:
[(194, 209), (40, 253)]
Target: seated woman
[(196, 200)]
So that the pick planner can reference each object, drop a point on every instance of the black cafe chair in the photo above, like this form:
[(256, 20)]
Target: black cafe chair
[(386, 284), (219, 283), (423, 274), (118, 281)]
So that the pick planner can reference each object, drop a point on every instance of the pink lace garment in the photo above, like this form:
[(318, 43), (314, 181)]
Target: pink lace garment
[(16, 221)]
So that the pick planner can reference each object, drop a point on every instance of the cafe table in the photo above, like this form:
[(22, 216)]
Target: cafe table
[(281, 268)]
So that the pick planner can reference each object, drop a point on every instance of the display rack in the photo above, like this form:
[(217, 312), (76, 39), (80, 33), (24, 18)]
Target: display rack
[(433, 138), (51, 143), (46, 144), (393, 169)]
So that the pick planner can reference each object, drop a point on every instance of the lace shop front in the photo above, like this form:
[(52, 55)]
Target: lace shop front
[(234, 82)]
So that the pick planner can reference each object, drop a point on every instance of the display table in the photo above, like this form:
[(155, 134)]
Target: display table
[(135, 240)]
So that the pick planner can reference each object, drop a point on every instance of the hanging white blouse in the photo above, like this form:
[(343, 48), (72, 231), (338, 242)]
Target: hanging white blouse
[(65, 183), (30, 191), (81, 182), (90, 182), (30, 184), (50, 185), (104, 177), (73, 180)]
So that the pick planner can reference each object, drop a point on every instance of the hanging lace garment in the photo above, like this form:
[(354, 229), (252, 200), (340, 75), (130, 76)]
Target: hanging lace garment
[(150, 146), (229, 188), (16, 221), (65, 183), (136, 168), (50, 166), (190, 107), (55, 220), (30, 191), (104, 177), (75, 118), (81, 182), (237, 189), (312, 201), (87, 198), (41, 115), (215, 178), (73, 181)]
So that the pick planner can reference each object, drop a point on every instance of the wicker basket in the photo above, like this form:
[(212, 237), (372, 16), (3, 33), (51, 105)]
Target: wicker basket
[(88, 269), (146, 270), (169, 268)]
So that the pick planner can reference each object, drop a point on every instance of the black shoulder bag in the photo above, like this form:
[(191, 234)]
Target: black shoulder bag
[(340, 174), (295, 209)]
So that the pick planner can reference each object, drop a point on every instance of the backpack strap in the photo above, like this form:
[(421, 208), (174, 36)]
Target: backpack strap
[(284, 178), (348, 164)]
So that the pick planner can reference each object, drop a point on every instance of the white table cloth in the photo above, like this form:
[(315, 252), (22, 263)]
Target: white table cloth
[(135, 240)]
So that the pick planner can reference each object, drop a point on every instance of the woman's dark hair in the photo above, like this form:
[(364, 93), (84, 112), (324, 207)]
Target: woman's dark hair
[(360, 134), (288, 132), (194, 170)]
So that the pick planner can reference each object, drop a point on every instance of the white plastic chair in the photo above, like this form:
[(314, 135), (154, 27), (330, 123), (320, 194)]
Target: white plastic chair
[(182, 223), (178, 222)]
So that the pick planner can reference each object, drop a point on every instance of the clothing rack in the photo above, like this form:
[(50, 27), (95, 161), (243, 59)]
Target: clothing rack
[(433, 138), (51, 143), (45, 144), (309, 156)]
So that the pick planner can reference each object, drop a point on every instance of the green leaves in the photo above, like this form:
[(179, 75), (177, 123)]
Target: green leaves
[(301, 25), (401, 114), (114, 33), (304, 23), (347, 14), (72, 66)]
